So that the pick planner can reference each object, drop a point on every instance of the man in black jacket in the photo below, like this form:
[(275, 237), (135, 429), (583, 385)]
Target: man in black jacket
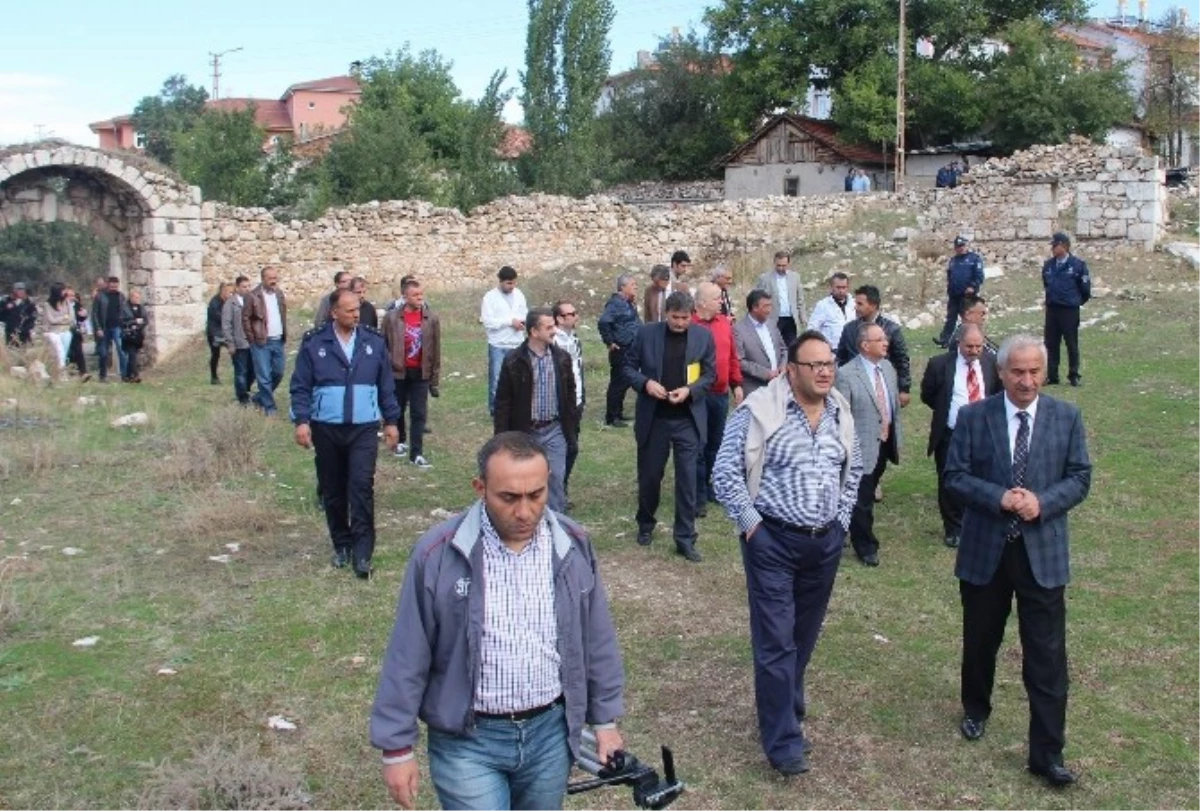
[(866, 306), (536, 395), (107, 307), (619, 325), (19, 315)]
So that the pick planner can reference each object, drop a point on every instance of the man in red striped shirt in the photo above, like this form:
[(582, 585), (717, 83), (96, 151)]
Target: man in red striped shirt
[(729, 378)]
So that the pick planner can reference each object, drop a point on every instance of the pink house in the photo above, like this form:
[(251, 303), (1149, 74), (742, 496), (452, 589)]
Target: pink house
[(306, 111)]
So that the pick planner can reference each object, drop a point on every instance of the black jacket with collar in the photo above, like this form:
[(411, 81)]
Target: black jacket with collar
[(514, 393)]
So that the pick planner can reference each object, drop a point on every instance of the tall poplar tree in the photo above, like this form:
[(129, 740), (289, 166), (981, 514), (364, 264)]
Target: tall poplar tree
[(566, 63)]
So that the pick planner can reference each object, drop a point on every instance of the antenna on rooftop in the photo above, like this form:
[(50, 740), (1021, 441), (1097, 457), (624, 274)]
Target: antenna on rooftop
[(216, 66)]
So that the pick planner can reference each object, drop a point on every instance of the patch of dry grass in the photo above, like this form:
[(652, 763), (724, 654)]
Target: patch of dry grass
[(226, 776)]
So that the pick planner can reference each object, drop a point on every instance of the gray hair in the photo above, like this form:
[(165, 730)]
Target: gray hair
[(1021, 340), (966, 328), (623, 279), (718, 272), (660, 272), (679, 302)]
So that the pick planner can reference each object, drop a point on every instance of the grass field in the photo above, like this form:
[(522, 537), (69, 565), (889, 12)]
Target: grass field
[(274, 631)]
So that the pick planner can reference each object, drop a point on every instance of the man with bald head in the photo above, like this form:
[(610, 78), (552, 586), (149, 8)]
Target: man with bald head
[(716, 399), (953, 380)]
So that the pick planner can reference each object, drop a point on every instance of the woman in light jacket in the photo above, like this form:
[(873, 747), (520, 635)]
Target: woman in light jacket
[(58, 316)]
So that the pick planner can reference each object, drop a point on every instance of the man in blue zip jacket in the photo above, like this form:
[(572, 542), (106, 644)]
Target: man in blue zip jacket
[(1068, 287), (341, 384), (964, 277)]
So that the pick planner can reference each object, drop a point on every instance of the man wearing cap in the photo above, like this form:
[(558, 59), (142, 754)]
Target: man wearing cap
[(964, 277), (19, 314), (1068, 287)]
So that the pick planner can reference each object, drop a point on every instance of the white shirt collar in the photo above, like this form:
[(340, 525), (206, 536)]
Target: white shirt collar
[(1010, 410)]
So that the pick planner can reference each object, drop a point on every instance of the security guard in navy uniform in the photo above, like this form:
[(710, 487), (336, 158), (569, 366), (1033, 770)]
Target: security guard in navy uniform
[(341, 384), (1068, 287), (964, 277)]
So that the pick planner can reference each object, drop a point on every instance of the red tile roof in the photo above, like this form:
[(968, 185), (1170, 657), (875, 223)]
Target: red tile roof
[(332, 84), (269, 114), (820, 130), (516, 142)]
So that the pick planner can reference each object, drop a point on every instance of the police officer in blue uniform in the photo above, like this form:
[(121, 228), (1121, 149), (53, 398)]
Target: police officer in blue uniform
[(1068, 287), (964, 277), (341, 387)]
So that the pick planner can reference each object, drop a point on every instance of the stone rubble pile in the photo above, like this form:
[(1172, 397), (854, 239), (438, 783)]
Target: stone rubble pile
[(650, 191)]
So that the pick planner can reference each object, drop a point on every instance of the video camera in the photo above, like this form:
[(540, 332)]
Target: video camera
[(623, 769)]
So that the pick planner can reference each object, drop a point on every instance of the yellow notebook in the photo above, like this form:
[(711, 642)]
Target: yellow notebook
[(693, 372)]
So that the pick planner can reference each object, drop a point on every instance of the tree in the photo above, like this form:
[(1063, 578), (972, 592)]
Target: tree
[(566, 63), (1168, 99), (780, 47), (41, 253), (222, 153), (163, 117), (479, 174), (667, 121), (1038, 93)]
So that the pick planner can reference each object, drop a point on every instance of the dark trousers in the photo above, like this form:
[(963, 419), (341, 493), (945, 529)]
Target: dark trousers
[(862, 517), (75, 353), (789, 578), (1062, 324), (573, 449), (1042, 616), (214, 359), (413, 395), (680, 436), (243, 375), (953, 308), (717, 408), (787, 328), (108, 340), (948, 506), (346, 480), (614, 400), (132, 354)]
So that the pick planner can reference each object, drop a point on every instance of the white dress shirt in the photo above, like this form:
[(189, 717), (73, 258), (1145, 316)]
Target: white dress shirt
[(497, 314), (783, 304), (274, 320), (960, 398), (830, 317), (764, 337), (1014, 424)]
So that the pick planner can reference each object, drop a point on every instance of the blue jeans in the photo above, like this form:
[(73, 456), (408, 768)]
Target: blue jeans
[(496, 355), (243, 375), (268, 372), (109, 338), (503, 764), (717, 407)]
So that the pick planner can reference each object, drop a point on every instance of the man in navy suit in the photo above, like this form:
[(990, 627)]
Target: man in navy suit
[(1018, 463), (670, 364), (953, 380)]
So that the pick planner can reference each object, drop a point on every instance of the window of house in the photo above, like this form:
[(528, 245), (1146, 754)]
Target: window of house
[(139, 140), (791, 187)]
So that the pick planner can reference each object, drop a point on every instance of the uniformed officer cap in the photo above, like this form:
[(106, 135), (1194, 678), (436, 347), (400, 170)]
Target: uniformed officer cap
[(1060, 238), (960, 240)]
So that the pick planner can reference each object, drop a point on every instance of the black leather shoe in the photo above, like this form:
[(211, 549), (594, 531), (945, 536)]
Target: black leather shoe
[(645, 537), (1056, 774), (362, 569), (952, 541), (702, 511), (617, 424), (1052, 381), (870, 559), (791, 768), (972, 728), (941, 342), (689, 552), (340, 559), (1076, 382)]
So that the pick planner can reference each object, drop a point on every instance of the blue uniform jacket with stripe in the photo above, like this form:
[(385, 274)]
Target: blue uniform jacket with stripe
[(328, 388)]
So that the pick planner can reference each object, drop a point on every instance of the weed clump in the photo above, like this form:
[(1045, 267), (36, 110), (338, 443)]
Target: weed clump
[(225, 777)]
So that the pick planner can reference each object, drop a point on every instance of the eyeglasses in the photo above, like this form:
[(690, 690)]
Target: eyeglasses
[(815, 366)]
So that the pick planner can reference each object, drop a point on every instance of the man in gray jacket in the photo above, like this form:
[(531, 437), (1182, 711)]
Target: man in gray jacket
[(234, 333), (503, 645)]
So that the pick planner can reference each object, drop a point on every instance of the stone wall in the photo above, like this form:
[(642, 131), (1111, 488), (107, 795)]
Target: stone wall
[(1106, 197), (650, 192), (385, 241)]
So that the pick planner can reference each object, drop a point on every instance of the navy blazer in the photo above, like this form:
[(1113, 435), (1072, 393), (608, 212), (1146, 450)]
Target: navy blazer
[(979, 471), (643, 362)]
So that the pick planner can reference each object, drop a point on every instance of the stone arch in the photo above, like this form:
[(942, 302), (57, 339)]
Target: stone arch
[(150, 220)]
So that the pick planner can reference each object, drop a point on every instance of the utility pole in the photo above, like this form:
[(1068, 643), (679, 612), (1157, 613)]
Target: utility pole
[(898, 165), (216, 66)]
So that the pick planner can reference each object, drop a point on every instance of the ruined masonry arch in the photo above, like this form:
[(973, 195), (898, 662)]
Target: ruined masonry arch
[(151, 222)]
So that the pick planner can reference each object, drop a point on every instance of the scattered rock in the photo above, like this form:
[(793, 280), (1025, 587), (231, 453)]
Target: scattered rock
[(440, 513), (219, 558), (90, 400), (86, 642), (19, 372), (1185, 250), (167, 671), (71, 551), (133, 420), (280, 723)]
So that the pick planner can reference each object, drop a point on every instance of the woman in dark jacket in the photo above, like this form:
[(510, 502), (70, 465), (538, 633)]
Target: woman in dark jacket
[(133, 333), (213, 331)]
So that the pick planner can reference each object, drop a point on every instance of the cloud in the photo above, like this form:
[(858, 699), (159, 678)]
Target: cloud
[(36, 105)]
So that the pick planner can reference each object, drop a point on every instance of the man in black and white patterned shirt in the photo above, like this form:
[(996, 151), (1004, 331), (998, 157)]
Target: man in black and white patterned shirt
[(503, 645), (787, 475), (566, 320)]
